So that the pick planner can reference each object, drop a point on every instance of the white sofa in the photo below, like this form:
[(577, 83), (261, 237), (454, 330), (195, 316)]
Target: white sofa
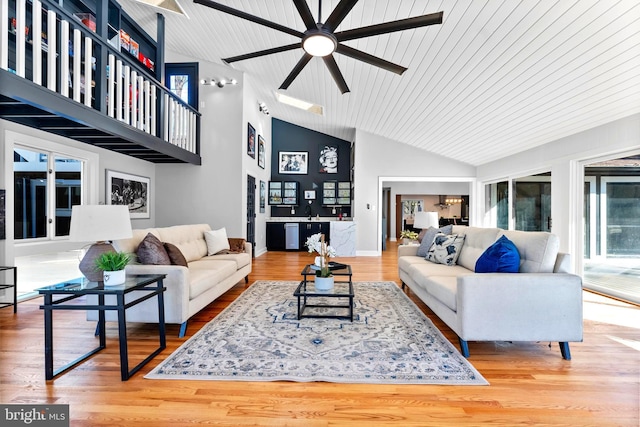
[(188, 289), (543, 302)]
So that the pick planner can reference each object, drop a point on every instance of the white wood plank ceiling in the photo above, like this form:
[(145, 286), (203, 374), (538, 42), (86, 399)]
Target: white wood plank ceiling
[(495, 78)]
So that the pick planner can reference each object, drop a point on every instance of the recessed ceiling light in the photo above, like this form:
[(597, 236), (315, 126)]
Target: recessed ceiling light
[(298, 103), (169, 5)]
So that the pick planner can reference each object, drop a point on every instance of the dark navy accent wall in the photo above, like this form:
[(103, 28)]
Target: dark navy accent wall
[(289, 137)]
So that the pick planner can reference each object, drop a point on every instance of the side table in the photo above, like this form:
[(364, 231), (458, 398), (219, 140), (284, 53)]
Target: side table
[(14, 285), (150, 284)]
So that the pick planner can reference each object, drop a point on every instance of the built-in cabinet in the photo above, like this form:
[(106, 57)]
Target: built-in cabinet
[(335, 193), (276, 234), (284, 193)]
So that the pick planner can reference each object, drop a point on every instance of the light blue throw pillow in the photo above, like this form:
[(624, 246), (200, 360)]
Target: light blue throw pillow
[(427, 240)]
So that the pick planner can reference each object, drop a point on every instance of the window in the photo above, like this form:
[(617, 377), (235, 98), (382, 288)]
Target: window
[(182, 79), (46, 186)]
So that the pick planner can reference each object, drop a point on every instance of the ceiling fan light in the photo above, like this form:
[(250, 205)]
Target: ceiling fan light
[(319, 44)]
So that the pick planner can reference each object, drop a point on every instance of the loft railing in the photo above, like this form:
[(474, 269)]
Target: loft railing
[(52, 48)]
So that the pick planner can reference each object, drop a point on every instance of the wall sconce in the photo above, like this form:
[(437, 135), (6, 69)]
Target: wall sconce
[(263, 108), (221, 82)]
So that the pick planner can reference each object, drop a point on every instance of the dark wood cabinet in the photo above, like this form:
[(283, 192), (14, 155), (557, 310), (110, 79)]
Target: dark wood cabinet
[(275, 236), (307, 229)]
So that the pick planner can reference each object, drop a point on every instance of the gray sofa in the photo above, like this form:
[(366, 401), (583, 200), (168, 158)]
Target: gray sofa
[(543, 302), (189, 289)]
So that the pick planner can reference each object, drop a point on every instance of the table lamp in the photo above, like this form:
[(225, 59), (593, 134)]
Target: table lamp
[(424, 220), (101, 224)]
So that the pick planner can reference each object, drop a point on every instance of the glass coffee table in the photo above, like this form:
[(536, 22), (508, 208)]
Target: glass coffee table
[(335, 303)]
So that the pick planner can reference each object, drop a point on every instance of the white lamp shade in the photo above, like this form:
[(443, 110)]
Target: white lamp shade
[(424, 220), (97, 223)]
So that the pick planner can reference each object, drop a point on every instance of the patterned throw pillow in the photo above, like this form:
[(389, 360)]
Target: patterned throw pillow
[(428, 237), (445, 249), (152, 251)]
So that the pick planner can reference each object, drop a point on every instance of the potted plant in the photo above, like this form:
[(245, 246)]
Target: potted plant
[(408, 236), (112, 265), (324, 278)]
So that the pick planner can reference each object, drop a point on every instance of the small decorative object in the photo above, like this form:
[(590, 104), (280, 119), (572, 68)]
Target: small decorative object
[(408, 236), (316, 243), (112, 265)]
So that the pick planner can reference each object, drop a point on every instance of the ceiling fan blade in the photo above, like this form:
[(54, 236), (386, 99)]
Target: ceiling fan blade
[(331, 64), (249, 17), (261, 53), (296, 70), (370, 59), (390, 27), (305, 13), (339, 13)]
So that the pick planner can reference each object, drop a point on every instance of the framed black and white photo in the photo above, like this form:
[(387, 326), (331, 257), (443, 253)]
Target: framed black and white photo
[(251, 141), (261, 153), (293, 162), (263, 192), (310, 194), (131, 190), (328, 159)]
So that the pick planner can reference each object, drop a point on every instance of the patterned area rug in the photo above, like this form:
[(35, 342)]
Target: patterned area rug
[(258, 338)]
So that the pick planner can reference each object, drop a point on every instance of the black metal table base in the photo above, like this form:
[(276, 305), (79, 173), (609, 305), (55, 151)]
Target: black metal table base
[(50, 305)]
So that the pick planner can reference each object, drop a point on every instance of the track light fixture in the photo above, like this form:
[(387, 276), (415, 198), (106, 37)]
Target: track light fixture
[(263, 108), (221, 82)]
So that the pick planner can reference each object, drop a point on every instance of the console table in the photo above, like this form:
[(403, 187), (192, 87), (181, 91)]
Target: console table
[(13, 285), (150, 285)]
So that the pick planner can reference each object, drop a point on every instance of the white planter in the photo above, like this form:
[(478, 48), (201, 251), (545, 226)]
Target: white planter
[(113, 278), (323, 283)]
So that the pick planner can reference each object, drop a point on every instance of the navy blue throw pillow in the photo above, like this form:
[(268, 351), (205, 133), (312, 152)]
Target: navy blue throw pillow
[(501, 257)]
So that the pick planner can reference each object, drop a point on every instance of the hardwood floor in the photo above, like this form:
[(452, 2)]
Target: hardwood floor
[(530, 383)]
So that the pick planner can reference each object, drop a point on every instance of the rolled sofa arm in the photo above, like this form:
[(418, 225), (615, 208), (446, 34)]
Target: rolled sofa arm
[(520, 307), (407, 250)]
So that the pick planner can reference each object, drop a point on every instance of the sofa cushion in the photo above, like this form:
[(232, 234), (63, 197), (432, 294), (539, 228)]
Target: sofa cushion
[(131, 245), (240, 259), (428, 237), (501, 257), (445, 248), (538, 249), (476, 241), (188, 238), (444, 289), (216, 241), (175, 255), (206, 273), (420, 272), (152, 251)]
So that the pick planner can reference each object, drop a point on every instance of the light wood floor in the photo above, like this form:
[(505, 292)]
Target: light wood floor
[(530, 383)]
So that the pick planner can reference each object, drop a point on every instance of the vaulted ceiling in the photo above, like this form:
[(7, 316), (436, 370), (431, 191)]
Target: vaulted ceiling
[(495, 78)]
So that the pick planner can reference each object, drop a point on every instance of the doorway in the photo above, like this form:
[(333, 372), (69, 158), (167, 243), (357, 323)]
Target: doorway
[(251, 211)]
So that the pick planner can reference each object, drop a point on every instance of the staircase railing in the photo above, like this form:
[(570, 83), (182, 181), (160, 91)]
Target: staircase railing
[(52, 48)]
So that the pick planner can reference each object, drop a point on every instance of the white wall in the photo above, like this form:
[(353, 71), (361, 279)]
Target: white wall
[(562, 158), (215, 193), (94, 191), (377, 158)]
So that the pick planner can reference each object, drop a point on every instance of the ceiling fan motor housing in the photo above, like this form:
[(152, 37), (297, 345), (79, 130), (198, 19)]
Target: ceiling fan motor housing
[(319, 41)]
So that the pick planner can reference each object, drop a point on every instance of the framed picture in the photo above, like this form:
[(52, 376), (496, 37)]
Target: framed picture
[(131, 190), (294, 162), (310, 194), (263, 191), (261, 153), (251, 141), (328, 159), (3, 229)]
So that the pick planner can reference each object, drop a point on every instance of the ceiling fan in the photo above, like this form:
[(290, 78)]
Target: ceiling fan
[(321, 39)]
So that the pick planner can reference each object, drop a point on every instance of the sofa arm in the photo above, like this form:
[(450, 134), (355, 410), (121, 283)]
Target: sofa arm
[(520, 307), (248, 247), (407, 250), (176, 296)]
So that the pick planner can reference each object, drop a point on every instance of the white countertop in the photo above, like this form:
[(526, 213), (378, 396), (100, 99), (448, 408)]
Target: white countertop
[(306, 219)]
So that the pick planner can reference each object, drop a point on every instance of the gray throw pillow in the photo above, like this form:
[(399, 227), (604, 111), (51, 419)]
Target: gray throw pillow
[(427, 240), (152, 251)]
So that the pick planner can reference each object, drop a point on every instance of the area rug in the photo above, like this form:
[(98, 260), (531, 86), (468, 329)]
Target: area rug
[(259, 338)]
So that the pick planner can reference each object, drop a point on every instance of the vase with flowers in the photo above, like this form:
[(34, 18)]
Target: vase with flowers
[(408, 237), (324, 278)]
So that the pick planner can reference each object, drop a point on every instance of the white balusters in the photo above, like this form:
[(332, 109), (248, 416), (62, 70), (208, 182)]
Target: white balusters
[(21, 37), (4, 35), (111, 83), (64, 58), (36, 40), (52, 50)]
